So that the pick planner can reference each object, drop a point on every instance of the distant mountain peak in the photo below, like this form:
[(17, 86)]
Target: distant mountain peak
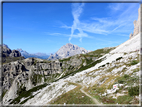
[(5, 45), (67, 51), (36, 55)]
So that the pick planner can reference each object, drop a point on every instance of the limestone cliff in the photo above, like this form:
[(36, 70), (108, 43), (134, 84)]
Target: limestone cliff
[(26, 74), (136, 25)]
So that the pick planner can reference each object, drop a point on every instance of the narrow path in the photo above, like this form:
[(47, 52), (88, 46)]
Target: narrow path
[(94, 99)]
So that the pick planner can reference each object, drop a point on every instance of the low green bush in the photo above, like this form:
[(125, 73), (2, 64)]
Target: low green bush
[(126, 76), (134, 62), (133, 91)]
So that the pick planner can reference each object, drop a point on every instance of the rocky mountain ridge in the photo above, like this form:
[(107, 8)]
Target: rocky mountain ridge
[(36, 55), (9, 55), (8, 52), (67, 51)]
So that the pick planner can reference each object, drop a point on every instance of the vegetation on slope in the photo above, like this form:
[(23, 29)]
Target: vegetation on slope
[(88, 58), (28, 94), (11, 59), (74, 96)]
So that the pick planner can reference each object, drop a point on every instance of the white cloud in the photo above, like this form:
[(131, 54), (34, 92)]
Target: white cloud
[(76, 12), (121, 22)]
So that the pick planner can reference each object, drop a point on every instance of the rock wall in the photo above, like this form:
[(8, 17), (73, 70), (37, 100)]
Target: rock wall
[(13, 69), (136, 25), (18, 74), (8, 52)]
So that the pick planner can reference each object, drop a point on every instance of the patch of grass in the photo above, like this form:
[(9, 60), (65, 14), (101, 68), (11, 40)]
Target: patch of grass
[(108, 100), (82, 68), (133, 91), (110, 69), (125, 53), (44, 61), (136, 70), (123, 79), (127, 79), (99, 52), (24, 94), (94, 93), (36, 78), (110, 78), (134, 62), (26, 99), (65, 59), (35, 61), (3, 93), (11, 59), (98, 89), (124, 99), (74, 96)]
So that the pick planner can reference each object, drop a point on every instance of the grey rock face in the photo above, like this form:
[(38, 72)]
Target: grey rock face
[(15, 53), (67, 51), (19, 74), (14, 69), (54, 57), (10, 71), (136, 25), (8, 52), (48, 68)]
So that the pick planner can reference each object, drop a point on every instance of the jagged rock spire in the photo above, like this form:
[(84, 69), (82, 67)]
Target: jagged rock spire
[(136, 25)]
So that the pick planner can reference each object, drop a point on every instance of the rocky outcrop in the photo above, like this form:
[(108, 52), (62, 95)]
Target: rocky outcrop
[(136, 25), (54, 57), (9, 55), (10, 71), (15, 53), (8, 52), (19, 74), (67, 51), (48, 68)]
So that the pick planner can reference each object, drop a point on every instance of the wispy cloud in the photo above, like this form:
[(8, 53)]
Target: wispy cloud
[(120, 22), (76, 12), (56, 34)]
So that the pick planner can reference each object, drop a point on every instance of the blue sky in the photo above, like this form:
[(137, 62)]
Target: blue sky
[(45, 27)]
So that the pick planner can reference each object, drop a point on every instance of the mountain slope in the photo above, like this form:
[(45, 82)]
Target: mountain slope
[(130, 45), (116, 66)]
